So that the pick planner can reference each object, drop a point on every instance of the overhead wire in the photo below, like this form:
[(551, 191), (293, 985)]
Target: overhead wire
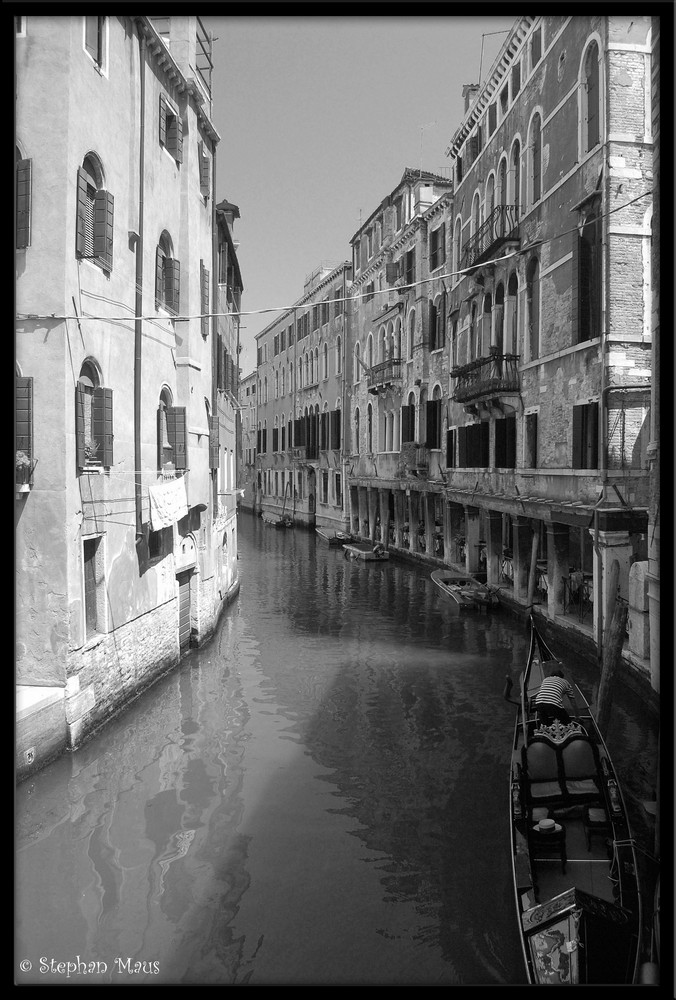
[(290, 308)]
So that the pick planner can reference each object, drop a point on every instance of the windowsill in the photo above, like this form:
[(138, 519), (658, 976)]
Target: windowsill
[(92, 468)]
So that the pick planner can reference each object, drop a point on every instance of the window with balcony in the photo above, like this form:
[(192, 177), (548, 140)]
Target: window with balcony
[(433, 420), (408, 421), (411, 332), (505, 442), (514, 186)]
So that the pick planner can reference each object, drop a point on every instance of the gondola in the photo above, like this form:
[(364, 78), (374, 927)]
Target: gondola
[(574, 860)]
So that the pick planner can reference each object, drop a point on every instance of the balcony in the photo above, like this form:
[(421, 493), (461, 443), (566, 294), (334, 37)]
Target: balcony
[(501, 226), (383, 374), (486, 377)]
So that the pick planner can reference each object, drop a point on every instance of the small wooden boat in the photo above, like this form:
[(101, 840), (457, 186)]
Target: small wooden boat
[(467, 592), (574, 860), (366, 552), (333, 538)]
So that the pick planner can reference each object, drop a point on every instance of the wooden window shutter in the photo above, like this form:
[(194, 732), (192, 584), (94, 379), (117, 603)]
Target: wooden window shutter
[(80, 457), (462, 447), (500, 444), (160, 437), (450, 449), (176, 432), (265, 441), (82, 220), (227, 370), (102, 423), (220, 377), (213, 442), (391, 275), (510, 442), (23, 203), (205, 167), (24, 415), (204, 293), (103, 228), (430, 424), (172, 283), (159, 278), (234, 377), (175, 137), (484, 444), (258, 441), (163, 120), (275, 439)]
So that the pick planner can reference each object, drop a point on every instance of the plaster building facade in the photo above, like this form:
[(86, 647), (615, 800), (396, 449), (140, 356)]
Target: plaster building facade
[(119, 547), (400, 366), (300, 433), (249, 422)]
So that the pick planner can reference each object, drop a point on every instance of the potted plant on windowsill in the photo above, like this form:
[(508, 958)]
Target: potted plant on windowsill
[(90, 449), (24, 468)]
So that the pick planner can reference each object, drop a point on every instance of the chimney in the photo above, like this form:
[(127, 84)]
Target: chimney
[(469, 92)]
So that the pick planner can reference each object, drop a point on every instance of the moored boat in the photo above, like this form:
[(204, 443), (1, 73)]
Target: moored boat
[(574, 859), (366, 552), (467, 592), (333, 538)]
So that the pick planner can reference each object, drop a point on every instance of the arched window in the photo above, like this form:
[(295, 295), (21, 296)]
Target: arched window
[(397, 338), (486, 321), (498, 319), (535, 159), (283, 380), (533, 307), (457, 249), (476, 214), (277, 385), (369, 351), (490, 196), (590, 99), (325, 360), (369, 429), (93, 418), (356, 431), (512, 317), (94, 231), (472, 345), (514, 183), (339, 355), (411, 332), (589, 278), (315, 372), (167, 276), (265, 389)]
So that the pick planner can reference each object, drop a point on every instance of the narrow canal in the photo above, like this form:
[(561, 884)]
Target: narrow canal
[(317, 796)]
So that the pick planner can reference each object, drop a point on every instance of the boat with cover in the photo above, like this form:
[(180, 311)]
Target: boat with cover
[(575, 866), (464, 589), (335, 538)]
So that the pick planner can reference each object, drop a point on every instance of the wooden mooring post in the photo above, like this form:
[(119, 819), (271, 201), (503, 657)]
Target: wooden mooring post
[(613, 639)]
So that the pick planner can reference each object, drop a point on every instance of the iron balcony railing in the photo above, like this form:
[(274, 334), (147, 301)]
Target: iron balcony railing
[(501, 225), (486, 376), (386, 371)]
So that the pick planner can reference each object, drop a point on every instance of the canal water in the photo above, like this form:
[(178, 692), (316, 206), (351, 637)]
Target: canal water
[(317, 796)]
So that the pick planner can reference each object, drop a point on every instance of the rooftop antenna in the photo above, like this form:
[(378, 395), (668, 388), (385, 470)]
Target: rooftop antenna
[(422, 127), (485, 35)]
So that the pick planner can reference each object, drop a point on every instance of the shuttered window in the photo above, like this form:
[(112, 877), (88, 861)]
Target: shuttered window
[(433, 423), (410, 267), (450, 449), (167, 280), (24, 426), (585, 436), (505, 443), (95, 217), (176, 432), (171, 129), (23, 203), (93, 426), (437, 247), (214, 444), (335, 429), (204, 299), (536, 162), (275, 439), (205, 169), (592, 97), (94, 38), (407, 423)]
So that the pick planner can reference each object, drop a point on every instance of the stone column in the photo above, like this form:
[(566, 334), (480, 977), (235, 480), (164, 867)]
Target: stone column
[(384, 507), (399, 517), (472, 538), (363, 529), (429, 523), (456, 514), (413, 521), (612, 545), (354, 510), (372, 498), (558, 564), (493, 546), (522, 534), (447, 533)]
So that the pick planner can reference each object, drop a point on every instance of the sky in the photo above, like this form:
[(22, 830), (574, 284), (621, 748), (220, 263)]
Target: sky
[(319, 117)]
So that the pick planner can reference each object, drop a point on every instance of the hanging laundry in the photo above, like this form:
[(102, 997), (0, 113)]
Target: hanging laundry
[(168, 503)]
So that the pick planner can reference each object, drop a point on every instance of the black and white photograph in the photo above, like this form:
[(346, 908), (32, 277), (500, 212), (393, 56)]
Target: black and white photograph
[(337, 496)]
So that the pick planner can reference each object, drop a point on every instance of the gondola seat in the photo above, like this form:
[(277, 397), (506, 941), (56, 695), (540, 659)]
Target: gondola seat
[(580, 769), (541, 764)]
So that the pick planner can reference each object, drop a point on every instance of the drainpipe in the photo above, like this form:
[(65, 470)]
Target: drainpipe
[(138, 322), (215, 295)]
